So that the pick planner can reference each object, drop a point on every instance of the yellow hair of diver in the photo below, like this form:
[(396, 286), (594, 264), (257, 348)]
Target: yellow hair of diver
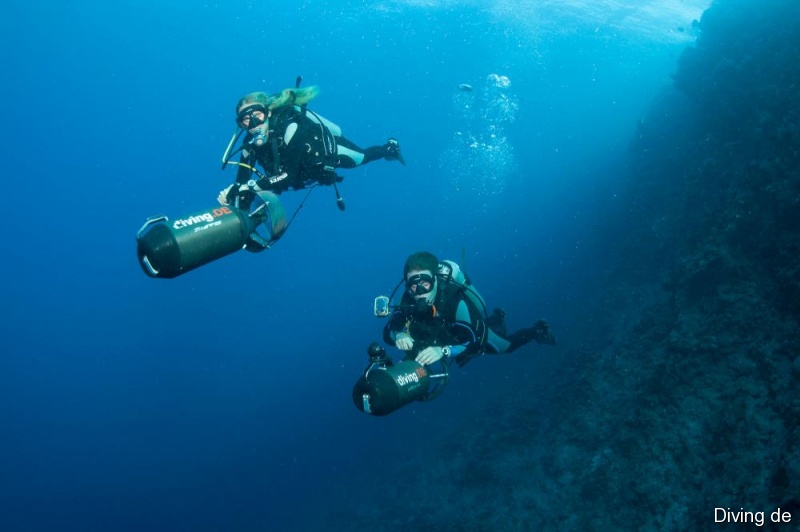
[(284, 98)]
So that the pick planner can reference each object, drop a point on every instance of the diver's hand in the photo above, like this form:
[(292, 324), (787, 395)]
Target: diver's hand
[(429, 355), (223, 195), (403, 341)]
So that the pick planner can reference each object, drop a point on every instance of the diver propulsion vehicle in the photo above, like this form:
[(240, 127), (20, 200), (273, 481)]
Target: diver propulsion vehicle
[(167, 249), (386, 386)]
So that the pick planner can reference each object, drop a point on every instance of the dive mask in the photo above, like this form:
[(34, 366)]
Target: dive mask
[(251, 116), (420, 284)]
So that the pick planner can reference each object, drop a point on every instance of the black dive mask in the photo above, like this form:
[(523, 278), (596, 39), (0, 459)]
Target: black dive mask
[(249, 114), (420, 284)]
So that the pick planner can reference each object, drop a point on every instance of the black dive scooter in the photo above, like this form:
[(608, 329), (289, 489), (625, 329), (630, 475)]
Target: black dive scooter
[(167, 249), (386, 386)]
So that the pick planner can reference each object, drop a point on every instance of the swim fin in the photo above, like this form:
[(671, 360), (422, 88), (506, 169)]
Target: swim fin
[(393, 151), (540, 332)]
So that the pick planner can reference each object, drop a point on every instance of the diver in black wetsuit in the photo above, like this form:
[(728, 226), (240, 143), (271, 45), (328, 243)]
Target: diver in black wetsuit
[(441, 315), (295, 146)]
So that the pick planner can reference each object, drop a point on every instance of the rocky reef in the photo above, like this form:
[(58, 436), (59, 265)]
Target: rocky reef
[(682, 395)]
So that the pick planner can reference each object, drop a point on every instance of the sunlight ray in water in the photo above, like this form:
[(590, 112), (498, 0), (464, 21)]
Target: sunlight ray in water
[(656, 20)]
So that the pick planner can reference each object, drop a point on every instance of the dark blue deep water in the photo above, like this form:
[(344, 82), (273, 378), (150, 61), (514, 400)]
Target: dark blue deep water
[(582, 180)]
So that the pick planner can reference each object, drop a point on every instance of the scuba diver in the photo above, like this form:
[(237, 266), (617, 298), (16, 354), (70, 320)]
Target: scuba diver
[(296, 147), (441, 317)]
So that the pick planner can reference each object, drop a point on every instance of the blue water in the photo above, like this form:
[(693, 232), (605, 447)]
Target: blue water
[(220, 400)]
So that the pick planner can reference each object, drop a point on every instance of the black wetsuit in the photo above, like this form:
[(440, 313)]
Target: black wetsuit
[(308, 155), (451, 321), (456, 321)]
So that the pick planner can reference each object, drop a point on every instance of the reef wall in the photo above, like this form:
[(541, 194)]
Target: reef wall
[(694, 404), (683, 395)]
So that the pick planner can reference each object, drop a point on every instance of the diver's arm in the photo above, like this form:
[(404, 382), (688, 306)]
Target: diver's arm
[(395, 333), (463, 330), (227, 196), (463, 336)]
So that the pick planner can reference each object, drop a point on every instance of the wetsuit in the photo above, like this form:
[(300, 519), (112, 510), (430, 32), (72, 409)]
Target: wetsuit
[(455, 320), (303, 148)]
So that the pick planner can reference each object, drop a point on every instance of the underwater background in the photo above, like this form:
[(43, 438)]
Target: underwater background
[(628, 171)]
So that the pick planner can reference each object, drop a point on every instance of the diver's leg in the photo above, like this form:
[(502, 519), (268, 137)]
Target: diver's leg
[(495, 343), (539, 332), (350, 155), (496, 321)]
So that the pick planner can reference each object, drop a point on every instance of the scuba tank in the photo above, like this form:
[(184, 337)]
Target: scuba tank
[(449, 271)]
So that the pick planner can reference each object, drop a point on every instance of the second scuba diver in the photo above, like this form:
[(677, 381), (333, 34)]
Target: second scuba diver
[(442, 316)]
